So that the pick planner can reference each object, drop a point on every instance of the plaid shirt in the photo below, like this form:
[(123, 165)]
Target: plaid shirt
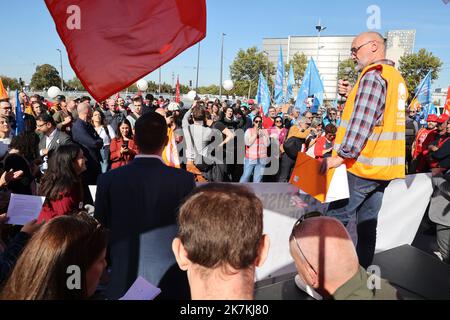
[(368, 111)]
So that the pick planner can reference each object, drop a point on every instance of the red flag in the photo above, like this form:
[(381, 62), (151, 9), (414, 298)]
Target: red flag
[(447, 103), (177, 94), (113, 43)]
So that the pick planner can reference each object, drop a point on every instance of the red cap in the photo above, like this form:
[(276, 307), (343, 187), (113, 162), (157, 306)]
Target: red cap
[(251, 101), (432, 118), (443, 118)]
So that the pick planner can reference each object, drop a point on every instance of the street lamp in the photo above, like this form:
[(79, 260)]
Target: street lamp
[(62, 74), (319, 29), (221, 69), (198, 66)]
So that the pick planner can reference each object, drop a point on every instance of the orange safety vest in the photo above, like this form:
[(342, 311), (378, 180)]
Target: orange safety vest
[(383, 156)]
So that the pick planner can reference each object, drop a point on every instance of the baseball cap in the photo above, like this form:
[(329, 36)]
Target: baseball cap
[(432, 118), (173, 106)]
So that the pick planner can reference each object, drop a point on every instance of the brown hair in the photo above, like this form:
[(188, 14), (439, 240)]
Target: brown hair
[(330, 129), (198, 113), (221, 225), (41, 271)]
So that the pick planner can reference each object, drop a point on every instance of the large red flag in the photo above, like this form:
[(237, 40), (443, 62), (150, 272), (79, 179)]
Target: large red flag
[(447, 103), (177, 94), (113, 43)]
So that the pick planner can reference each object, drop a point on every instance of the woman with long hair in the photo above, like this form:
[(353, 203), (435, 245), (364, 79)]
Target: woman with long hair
[(106, 132), (61, 183), (123, 148), (61, 248)]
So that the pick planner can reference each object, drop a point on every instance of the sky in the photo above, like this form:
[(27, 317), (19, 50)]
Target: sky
[(30, 38)]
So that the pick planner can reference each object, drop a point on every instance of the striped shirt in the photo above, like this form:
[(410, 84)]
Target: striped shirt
[(369, 107)]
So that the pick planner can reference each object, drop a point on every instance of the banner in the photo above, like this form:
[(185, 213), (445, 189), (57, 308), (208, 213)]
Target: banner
[(404, 204), (447, 103)]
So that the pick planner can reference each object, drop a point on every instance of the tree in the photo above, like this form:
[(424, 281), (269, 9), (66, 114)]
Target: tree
[(12, 83), (347, 70), (45, 76), (212, 89), (246, 68), (414, 67), (184, 89), (299, 63), (75, 84)]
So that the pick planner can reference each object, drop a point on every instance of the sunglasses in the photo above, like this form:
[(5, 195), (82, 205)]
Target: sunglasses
[(297, 225), (257, 121), (355, 50), (278, 121)]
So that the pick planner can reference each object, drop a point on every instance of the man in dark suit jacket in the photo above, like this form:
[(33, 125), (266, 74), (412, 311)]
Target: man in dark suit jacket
[(139, 204), (85, 135), (52, 138)]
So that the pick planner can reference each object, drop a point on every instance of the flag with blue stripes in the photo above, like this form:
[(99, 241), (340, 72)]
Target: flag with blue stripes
[(279, 80)]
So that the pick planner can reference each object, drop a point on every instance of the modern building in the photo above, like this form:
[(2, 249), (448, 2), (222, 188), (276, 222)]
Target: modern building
[(329, 51)]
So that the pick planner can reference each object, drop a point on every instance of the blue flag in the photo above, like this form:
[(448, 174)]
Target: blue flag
[(424, 91), (311, 86), (290, 84), (20, 123), (279, 80), (263, 95)]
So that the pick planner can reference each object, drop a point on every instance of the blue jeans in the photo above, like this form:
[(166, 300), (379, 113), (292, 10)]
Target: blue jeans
[(255, 167), (365, 201), (104, 152)]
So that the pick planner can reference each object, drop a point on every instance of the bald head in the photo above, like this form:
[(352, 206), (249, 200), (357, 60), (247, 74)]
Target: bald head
[(367, 48), (328, 249), (84, 111)]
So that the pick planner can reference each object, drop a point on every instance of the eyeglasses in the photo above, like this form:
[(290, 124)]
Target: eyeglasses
[(296, 226), (355, 50), (41, 125), (309, 117)]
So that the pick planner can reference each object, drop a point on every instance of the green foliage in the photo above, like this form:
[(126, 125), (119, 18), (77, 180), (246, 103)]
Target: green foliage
[(45, 76), (245, 69), (414, 68), (347, 70), (12, 83), (75, 85), (299, 63)]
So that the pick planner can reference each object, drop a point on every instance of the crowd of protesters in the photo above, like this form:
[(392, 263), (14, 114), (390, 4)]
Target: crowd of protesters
[(67, 145)]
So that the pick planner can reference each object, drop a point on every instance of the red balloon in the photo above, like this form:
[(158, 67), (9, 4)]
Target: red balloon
[(113, 43)]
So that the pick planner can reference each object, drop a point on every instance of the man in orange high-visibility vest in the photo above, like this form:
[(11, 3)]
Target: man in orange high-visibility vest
[(370, 140)]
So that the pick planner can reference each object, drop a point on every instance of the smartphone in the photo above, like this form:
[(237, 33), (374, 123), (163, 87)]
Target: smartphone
[(125, 144), (260, 125)]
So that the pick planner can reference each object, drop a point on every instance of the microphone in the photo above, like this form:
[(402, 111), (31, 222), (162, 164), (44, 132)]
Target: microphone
[(346, 77)]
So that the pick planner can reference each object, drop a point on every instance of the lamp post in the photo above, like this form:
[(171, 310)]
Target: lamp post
[(221, 69), (62, 74), (198, 67), (319, 29)]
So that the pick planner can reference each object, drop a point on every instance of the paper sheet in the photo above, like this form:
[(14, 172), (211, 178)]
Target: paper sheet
[(338, 188), (141, 290), (93, 190), (23, 208)]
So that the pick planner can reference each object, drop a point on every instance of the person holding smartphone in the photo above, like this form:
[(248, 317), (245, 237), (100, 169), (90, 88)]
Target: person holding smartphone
[(256, 142), (123, 148)]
